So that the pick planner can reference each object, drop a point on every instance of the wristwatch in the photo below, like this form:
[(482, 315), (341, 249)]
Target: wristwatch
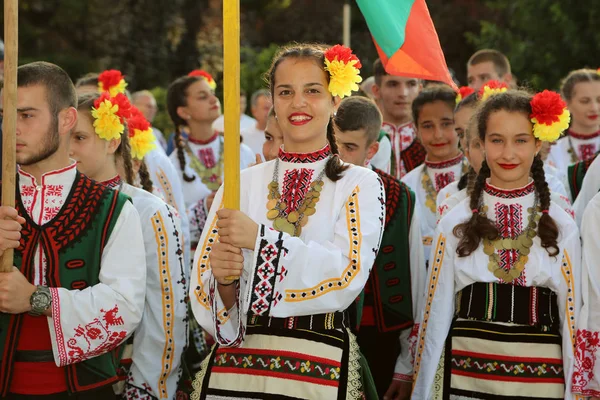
[(40, 301)]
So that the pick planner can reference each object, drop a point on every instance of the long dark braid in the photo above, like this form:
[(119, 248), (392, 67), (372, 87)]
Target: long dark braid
[(145, 179), (479, 225), (547, 228), (124, 152), (334, 167)]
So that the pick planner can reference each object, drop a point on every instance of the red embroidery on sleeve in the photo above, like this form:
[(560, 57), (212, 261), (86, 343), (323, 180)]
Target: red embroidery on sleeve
[(585, 359)]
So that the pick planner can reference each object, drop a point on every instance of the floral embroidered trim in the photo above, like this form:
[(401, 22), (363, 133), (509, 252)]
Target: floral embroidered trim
[(305, 157), (433, 282), (585, 361), (198, 381), (445, 164), (60, 339), (265, 275), (204, 142), (162, 243), (403, 378), (509, 193), (166, 188), (113, 183), (570, 304), (580, 136), (354, 389), (353, 268)]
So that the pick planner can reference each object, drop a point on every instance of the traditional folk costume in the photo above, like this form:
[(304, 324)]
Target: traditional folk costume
[(155, 355), (573, 148), (501, 322), (587, 368), (394, 291), (575, 175), (426, 181), (288, 335), (586, 177), (381, 160), (204, 161), (407, 152), (84, 242)]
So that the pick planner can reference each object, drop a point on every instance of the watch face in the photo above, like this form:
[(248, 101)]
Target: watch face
[(40, 301)]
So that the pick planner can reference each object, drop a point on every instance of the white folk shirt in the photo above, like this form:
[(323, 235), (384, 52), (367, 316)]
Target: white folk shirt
[(196, 192), (441, 174), (584, 148), (300, 275), (589, 188), (448, 274), (586, 379), (254, 138), (382, 159), (161, 337), (401, 137), (122, 276), (165, 178)]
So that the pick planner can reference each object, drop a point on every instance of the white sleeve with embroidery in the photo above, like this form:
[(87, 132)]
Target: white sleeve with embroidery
[(159, 341), (589, 188), (197, 215), (418, 273), (294, 277), (586, 378), (90, 322), (437, 315)]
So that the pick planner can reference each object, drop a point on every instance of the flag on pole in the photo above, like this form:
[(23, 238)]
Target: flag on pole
[(405, 38)]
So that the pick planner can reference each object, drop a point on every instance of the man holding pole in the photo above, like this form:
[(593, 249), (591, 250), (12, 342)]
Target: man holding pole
[(78, 286)]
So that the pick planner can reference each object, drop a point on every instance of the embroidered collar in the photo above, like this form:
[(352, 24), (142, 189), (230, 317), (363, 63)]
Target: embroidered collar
[(580, 136), (113, 183), (397, 128), (445, 164), (509, 193), (305, 157), (30, 179), (204, 142)]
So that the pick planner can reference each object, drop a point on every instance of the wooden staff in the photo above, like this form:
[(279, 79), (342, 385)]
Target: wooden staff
[(231, 94), (9, 123)]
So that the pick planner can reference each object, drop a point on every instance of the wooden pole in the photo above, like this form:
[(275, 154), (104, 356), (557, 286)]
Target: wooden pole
[(347, 11), (9, 122), (231, 94)]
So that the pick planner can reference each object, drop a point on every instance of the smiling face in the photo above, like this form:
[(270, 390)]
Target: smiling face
[(94, 156), (585, 106), (510, 148), (302, 103), (435, 129), (202, 106)]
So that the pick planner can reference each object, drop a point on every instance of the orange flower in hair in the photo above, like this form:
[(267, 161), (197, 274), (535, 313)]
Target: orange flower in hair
[(111, 81), (141, 138), (550, 116), (208, 77), (463, 93), (109, 115), (344, 70), (490, 88)]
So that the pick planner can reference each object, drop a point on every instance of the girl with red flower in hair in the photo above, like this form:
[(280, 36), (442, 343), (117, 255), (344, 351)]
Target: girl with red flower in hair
[(275, 282), (504, 295)]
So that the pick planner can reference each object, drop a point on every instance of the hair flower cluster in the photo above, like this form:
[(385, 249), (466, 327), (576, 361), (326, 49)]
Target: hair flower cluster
[(491, 88), (550, 116), (344, 70), (111, 81), (464, 92), (207, 77), (141, 138), (110, 114)]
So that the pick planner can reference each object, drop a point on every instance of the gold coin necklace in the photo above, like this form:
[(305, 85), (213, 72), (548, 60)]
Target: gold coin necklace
[(293, 222), (430, 193), (522, 243)]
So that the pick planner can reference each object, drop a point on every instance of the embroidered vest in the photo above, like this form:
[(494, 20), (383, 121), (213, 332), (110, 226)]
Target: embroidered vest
[(576, 173), (389, 285), (73, 243)]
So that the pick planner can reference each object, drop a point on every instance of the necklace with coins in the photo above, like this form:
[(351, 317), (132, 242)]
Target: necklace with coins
[(521, 243), (293, 222), (430, 192)]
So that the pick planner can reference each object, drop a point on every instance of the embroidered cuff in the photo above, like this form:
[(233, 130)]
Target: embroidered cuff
[(267, 256), (227, 333), (403, 378)]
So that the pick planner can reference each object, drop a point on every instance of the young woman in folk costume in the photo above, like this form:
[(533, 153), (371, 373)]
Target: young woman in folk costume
[(504, 283), (106, 128), (433, 115), (193, 106), (581, 90), (302, 245)]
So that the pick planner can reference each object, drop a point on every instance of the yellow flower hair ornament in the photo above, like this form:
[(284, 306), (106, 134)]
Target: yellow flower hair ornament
[(344, 70), (141, 138), (491, 88), (463, 93), (549, 115), (111, 81), (109, 115)]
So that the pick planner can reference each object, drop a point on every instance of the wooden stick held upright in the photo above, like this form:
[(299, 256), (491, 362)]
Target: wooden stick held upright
[(231, 93), (9, 123)]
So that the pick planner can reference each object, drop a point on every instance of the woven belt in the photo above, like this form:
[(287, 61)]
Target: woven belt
[(318, 322), (34, 356)]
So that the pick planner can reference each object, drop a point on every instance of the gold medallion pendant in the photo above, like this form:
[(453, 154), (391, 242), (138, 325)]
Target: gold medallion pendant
[(284, 220)]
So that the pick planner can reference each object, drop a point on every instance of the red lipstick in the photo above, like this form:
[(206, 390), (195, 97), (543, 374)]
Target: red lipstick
[(298, 119), (508, 166)]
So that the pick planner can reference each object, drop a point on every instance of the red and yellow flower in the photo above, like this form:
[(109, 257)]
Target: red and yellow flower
[(344, 70), (111, 81), (550, 116)]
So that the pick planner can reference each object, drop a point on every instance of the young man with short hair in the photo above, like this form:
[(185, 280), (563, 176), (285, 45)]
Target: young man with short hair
[(486, 65)]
